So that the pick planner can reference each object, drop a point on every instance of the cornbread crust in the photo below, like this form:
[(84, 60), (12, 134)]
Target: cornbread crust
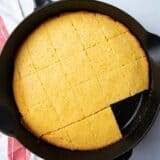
[(69, 71)]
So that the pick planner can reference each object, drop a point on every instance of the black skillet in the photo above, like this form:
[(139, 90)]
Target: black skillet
[(134, 115)]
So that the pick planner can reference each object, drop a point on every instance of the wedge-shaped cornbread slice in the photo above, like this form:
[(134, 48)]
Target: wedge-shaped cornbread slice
[(93, 132)]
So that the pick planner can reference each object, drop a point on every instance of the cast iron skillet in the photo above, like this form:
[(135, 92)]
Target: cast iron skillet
[(134, 115)]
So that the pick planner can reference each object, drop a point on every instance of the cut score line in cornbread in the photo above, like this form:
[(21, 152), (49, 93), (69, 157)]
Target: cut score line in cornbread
[(69, 71), (89, 133)]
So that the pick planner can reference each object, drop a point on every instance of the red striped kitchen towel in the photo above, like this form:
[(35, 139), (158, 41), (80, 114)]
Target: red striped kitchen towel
[(15, 150), (3, 33)]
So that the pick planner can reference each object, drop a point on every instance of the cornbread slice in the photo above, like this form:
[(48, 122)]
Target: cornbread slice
[(59, 138), (140, 81), (110, 27), (37, 112), (124, 48), (38, 43), (63, 36), (87, 28), (89, 133), (79, 72), (24, 65), (91, 96), (68, 72), (41, 119), (134, 45), (107, 132)]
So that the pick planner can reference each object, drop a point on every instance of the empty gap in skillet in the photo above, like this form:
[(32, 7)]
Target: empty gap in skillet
[(125, 111)]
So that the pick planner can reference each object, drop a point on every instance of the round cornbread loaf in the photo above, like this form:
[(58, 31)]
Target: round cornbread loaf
[(69, 71)]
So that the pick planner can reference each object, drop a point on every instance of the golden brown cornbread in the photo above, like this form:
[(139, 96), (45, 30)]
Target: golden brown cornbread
[(88, 133), (69, 71)]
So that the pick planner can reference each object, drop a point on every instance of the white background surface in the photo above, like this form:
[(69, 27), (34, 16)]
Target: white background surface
[(147, 12)]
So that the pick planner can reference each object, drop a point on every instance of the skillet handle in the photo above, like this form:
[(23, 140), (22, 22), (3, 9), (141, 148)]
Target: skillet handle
[(125, 156), (153, 49), (41, 3)]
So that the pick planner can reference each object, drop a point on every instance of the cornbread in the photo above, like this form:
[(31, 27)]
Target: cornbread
[(88, 133), (69, 71)]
